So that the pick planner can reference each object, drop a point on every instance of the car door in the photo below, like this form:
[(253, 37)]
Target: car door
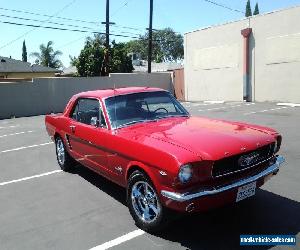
[(88, 134)]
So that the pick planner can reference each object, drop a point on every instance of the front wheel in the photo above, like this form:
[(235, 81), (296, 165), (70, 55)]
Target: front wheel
[(64, 160), (144, 204)]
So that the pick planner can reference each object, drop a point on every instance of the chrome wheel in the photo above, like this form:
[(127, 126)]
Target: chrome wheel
[(60, 149), (145, 201)]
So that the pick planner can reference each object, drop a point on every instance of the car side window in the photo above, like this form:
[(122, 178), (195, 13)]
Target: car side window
[(88, 111)]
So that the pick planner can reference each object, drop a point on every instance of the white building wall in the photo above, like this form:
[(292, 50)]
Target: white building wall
[(214, 59), (277, 56)]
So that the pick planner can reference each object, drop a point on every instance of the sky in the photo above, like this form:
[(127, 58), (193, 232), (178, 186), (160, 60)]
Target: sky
[(131, 17)]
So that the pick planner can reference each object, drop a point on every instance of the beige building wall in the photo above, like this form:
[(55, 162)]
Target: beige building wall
[(276, 71), (213, 63), (45, 95), (214, 59), (27, 74)]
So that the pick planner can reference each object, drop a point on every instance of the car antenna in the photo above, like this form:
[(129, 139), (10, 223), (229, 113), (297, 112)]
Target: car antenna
[(115, 105)]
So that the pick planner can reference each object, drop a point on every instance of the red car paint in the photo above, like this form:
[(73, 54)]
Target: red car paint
[(164, 145)]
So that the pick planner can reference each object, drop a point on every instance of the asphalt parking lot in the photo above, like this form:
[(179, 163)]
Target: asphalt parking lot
[(44, 208)]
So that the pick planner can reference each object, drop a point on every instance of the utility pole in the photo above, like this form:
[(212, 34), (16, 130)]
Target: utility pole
[(107, 38), (150, 37), (105, 67)]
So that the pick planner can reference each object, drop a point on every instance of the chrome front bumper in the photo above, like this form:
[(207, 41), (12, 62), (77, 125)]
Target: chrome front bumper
[(273, 169)]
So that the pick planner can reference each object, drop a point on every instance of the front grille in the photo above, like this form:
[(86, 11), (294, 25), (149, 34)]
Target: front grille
[(242, 162)]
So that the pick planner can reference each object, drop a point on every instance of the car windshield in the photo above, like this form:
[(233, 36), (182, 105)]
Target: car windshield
[(124, 110)]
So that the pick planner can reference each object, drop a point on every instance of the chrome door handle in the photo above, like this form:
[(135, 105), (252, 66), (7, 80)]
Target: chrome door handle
[(72, 127)]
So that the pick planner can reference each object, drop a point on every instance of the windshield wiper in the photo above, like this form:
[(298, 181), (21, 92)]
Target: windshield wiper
[(167, 116), (134, 122), (151, 120)]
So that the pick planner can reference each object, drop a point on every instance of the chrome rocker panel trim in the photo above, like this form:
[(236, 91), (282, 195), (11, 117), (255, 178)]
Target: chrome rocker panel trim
[(273, 169)]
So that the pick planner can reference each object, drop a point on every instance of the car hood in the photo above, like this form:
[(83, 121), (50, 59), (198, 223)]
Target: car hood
[(208, 138)]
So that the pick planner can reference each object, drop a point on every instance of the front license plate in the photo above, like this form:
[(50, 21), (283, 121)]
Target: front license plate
[(246, 191)]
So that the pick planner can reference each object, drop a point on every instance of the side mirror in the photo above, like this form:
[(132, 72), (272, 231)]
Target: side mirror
[(94, 121)]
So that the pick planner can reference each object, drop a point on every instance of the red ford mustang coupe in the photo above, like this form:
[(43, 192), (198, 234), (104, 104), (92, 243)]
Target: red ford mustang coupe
[(144, 139)]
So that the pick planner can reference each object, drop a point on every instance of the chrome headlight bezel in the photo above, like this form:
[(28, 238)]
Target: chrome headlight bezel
[(185, 173), (277, 144)]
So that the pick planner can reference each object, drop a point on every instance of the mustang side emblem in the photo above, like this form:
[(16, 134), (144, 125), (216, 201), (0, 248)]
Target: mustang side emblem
[(119, 169), (247, 160)]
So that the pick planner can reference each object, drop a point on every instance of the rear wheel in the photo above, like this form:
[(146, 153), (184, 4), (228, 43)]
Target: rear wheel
[(144, 204), (64, 160)]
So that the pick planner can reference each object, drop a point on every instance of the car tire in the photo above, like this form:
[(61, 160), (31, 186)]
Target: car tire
[(65, 161), (144, 204)]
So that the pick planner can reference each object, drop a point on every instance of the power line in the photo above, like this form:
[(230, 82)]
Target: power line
[(75, 26), (121, 7), (160, 13), (140, 29), (135, 35), (44, 15), (71, 42), (26, 33), (77, 30), (62, 24), (37, 20), (72, 19), (65, 29), (223, 6), (130, 33), (130, 28), (80, 38)]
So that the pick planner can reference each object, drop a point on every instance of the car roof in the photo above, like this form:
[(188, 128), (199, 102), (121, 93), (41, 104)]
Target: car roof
[(104, 93)]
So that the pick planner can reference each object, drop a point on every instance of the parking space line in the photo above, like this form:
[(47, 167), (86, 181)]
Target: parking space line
[(224, 107), (30, 177), (19, 133), (25, 147), (204, 103), (214, 102), (265, 110), (13, 126), (288, 104), (200, 104), (119, 240)]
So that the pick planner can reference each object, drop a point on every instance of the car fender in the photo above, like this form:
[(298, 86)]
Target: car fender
[(158, 177)]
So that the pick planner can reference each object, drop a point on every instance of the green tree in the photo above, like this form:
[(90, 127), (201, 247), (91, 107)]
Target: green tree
[(170, 44), (248, 11), (138, 46), (24, 52), (167, 46), (120, 62), (256, 10), (47, 56), (73, 60), (91, 58)]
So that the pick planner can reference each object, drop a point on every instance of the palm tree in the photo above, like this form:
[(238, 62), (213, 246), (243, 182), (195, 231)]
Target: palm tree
[(47, 56)]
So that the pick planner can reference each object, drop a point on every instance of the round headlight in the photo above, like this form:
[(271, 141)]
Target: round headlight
[(185, 173)]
